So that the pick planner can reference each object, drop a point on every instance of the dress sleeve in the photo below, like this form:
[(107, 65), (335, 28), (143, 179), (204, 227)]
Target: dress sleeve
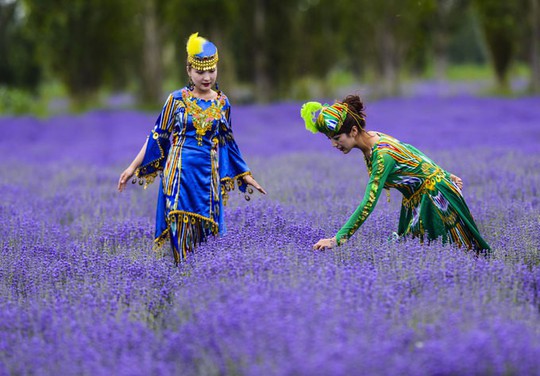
[(381, 167), (157, 148), (232, 166)]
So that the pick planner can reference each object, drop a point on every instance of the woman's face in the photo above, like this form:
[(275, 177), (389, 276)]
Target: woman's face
[(344, 142), (203, 80)]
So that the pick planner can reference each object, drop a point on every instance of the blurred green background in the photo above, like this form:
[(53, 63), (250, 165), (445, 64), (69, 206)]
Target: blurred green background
[(78, 54)]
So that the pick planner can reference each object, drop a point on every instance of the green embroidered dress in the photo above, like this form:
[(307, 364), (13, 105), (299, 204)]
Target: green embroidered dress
[(433, 206)]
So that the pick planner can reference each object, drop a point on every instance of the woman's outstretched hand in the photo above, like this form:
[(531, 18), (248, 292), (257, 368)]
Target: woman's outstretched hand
[(457, 181), (124, 178), (248, 179), (325, 243)]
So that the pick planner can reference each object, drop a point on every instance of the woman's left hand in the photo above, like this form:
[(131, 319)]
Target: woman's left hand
[(325, 243), (457, 181), (248, 179)]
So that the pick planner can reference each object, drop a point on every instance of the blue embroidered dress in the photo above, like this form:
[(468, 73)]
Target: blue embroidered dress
[(193, 148)]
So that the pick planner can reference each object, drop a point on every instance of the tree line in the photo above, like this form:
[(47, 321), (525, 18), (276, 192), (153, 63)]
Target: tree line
[(266, 45)]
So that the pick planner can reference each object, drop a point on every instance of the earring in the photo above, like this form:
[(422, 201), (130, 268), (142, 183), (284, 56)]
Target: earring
[(217, 86), (190, 84)]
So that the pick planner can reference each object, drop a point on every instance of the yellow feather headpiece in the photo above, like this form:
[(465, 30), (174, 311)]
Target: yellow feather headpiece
[(195, 44)]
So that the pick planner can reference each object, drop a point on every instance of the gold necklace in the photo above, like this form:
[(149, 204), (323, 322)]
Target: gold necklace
[(202, 119)]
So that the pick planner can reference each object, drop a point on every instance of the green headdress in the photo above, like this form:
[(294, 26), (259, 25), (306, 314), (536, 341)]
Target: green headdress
[(330, 118)]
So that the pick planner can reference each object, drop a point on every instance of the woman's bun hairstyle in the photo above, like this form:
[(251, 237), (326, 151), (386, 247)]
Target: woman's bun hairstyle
[(356, 115)]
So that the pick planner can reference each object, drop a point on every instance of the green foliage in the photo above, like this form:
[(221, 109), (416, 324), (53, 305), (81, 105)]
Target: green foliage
[(15, 101), (385, 38), (268, 49), (474, 72), (84, 42), (19, 65), (501, 22), (465, 45), (469, 72)]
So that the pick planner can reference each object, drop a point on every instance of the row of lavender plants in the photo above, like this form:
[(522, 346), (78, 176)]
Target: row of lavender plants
[(82, 292)]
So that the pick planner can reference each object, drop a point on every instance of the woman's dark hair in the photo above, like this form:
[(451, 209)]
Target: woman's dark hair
[(358, 116)]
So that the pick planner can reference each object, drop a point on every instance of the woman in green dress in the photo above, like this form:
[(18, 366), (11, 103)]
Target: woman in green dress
[(433, 206)]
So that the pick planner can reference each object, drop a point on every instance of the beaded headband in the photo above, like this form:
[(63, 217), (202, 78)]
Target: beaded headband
[(202, 54)]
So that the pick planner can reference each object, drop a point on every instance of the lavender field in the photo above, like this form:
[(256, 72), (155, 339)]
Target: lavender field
[(82, 292)]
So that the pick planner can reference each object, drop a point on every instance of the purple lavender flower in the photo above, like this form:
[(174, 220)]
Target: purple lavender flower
[(82, 291)]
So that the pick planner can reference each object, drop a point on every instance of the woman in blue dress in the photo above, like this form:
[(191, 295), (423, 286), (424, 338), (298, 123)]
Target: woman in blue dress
[(193, 149)]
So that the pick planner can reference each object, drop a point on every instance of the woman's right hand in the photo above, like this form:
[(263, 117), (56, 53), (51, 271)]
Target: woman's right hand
[(124, 178), (325, 244)]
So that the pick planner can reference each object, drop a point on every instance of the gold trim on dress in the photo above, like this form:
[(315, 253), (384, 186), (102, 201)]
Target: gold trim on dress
[(227, 185)]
